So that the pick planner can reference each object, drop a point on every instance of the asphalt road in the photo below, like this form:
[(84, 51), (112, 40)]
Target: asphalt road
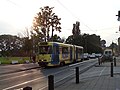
[(4, 69), (37, 78)]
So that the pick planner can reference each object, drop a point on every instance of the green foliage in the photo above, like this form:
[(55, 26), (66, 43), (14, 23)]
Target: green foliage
[(91, 43), (27, 46), (15, 46), (76, 29), (56, 38), (44, 21), (8, 60), (10, 45), (75, 40)]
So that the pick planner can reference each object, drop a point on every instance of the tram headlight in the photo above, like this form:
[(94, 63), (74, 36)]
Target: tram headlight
[(42, 60)]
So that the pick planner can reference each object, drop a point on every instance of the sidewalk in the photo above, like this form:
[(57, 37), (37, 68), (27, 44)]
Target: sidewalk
[(96, 78), (93, 83)]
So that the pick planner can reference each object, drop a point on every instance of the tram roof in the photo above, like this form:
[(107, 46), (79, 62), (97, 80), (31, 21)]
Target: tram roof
[(64, 44)]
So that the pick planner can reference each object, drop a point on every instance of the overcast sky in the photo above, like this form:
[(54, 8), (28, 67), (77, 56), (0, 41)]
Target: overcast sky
[(95, 16)]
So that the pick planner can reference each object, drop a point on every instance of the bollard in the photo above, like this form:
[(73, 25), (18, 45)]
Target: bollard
[(27, 88), (111, 69), (77, 75), (114, 61), (99, 60), (50, 82)]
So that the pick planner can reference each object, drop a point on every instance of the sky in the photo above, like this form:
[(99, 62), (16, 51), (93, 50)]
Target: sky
[(95, 16)]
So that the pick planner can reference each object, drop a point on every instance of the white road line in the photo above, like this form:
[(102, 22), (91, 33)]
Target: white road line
[(30, 80), (22, 83), (64, 78), (43, 87), (102, 71), (41, 78), (12, 73), (17, 76), (82, 62), (14, 77)]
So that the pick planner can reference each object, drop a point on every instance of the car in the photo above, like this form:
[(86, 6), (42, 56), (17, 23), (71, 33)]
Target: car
[(85, 56), (92, 56), (98, 55)]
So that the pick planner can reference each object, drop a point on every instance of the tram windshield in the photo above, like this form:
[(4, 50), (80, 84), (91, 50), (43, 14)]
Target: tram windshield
[(45, 49)]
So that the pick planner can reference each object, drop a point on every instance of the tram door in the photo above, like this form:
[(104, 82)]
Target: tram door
[(76, 54), (71, 54), (55, 54)]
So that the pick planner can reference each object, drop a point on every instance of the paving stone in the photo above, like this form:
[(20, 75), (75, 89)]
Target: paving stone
[(97, 80)]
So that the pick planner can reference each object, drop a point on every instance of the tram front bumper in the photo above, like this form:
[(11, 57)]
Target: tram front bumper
[(42, 64)]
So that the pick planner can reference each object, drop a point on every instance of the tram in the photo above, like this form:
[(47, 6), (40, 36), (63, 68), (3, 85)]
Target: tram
[(108, 54), (55, 53)]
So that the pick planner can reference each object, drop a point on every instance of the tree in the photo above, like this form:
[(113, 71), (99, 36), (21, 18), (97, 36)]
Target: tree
[(57, 39), (10, 45), (45, 20), (75, 39), (27, 42), (103, 42), (114, 47), (91, 43), (76, 29)]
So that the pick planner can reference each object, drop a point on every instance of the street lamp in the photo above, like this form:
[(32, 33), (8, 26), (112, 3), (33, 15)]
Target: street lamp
[(118, 16), (85, 39)]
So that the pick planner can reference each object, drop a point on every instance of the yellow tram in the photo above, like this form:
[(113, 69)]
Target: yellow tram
[(55, 53)]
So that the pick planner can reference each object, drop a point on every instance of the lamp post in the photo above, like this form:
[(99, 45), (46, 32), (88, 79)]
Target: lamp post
[(118, 15), (85, 39), (119, 30)]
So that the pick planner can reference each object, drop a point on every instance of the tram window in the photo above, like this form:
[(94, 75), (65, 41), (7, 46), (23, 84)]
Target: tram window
[(110, 52), (80, 51), (65, 50), (45, 50), (106, 52)]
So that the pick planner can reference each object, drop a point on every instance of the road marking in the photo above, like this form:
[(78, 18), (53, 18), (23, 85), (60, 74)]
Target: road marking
[(22, 83), (43, 87), (82, 62), (16, 76), (40, 78), (102, 71), (57, 81), (15, 73), (10, 74)]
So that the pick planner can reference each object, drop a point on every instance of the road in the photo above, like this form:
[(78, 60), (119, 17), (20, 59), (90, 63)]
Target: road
[(37, 78), (16, 67)]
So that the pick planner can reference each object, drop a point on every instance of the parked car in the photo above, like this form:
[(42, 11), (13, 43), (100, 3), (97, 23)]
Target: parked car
[(91, 56), (98, 55), (85, 56)]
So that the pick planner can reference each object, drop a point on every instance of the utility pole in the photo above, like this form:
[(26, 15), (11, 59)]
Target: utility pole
[(119, 30)]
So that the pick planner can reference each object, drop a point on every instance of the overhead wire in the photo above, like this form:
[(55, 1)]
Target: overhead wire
[(12, 2), (74, 15)]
